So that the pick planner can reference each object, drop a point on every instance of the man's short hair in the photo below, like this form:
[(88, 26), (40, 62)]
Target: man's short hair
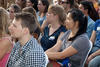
[(27, 20)]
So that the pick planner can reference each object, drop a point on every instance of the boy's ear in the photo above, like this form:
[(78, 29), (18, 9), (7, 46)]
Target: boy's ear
[(26, 31)]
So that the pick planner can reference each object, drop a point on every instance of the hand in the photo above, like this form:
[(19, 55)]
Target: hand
[(90, 58), (45, 23)]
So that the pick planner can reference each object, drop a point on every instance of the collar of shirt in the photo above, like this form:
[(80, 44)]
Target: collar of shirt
[(23, 48)]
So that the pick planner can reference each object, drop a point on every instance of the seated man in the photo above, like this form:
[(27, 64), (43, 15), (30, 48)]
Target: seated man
[(26, 52), (94, 57)]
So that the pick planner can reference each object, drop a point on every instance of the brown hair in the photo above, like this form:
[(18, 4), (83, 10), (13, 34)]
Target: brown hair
[(32, 10), (4, 21), (28, 20), (58, 10)]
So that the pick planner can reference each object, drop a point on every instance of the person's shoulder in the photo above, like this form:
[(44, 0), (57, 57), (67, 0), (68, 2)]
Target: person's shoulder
[(67, 32), (82, 37), (63, 28), (65, 35), (90, 20), (5, 41), (97, 21), (5, 44), (35, 45), (36, 49)]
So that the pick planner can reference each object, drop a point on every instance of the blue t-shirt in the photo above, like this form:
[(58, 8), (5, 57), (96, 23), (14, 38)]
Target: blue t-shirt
[(90, 26), (40, 19), (47, 41), (97, 29)]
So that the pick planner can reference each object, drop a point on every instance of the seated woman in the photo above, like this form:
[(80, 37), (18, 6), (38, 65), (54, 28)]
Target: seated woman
[(74, 44), (55, 19), (87, 8), (42, 10), (5, 39)]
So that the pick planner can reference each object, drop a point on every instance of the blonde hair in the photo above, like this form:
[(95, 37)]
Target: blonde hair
[(58, 10), (4, 21), (30, 10)]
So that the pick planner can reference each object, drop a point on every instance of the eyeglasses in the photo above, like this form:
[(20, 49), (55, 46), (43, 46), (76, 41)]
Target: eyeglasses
[(62, 2)]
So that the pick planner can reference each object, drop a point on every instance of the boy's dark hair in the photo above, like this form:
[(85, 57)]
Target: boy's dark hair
[(28, 20)]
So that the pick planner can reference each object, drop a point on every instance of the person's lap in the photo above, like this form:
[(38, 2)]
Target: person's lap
[(95, 62)]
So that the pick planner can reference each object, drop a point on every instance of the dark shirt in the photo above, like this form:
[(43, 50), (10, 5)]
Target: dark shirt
[(47, 41)]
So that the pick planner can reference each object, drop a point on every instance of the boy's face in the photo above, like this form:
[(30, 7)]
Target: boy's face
[(16, 29)]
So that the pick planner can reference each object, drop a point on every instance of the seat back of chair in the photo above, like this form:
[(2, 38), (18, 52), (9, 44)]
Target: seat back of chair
[(88, 51), (47, 60)]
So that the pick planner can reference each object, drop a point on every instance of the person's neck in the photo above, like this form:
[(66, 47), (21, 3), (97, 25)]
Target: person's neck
[(24, 39), (74, 32), (55, 25), (41, 14)]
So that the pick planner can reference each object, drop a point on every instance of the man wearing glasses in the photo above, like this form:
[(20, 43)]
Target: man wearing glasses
[(68, 4)]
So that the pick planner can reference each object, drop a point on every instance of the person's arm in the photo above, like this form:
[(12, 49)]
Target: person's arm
[(93, 36), (94, 55), (61, 55), (53, 53), (45, 23), (76, 46), (57, 46), (5, 45)]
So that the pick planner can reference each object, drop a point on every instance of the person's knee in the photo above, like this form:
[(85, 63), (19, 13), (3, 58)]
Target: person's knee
[(91, 63)]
